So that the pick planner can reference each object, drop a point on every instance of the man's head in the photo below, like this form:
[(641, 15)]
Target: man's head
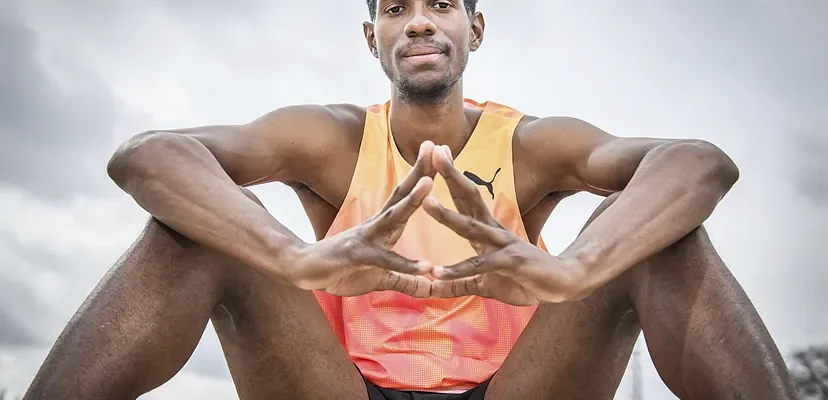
[(424, 45)]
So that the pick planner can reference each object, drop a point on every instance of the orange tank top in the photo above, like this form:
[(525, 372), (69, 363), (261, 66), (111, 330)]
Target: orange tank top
[(439, 345)]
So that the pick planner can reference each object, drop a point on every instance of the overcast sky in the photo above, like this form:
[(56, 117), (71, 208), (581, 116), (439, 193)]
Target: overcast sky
[(79, 77)]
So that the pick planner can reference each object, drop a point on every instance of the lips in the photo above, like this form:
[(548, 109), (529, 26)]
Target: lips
[(422, 51)]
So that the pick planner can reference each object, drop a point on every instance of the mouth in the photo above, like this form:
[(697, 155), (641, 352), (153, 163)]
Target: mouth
[(422, 54)]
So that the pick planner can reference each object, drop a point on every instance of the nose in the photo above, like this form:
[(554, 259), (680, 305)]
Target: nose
[(420, 25)]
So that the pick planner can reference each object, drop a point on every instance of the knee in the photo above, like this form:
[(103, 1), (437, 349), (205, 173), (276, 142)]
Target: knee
[(159, 240), (689, 262), (166, 246), (688, 258), (696, 242), (608, 201), (691, 246)]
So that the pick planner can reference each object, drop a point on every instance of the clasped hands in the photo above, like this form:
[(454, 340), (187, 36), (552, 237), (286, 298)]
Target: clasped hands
[(506, 267)]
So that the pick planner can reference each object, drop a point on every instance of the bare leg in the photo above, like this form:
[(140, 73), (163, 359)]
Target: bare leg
[(705, 337), (279, 345), (143, 321)]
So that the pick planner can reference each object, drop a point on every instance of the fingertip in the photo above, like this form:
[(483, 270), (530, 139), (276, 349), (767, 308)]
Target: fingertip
[(427, 180), (447, 150), (424, 154), (422, 188), (423, 181), (423, 266), (435, 162), (431, 201), (438, 271), (444, 161)]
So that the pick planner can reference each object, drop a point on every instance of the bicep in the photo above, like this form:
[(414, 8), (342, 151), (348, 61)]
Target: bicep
[(275, 147), (589, 158)]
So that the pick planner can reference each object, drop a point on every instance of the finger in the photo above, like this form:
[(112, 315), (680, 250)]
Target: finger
[(464, 225), (422, 167), (398, 214), (390, 260), (472, 286), (463, 191), (489, 262), (416, 286)]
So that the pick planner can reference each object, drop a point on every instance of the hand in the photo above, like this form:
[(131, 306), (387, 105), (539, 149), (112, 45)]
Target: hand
[(506, 268), (360, 260)]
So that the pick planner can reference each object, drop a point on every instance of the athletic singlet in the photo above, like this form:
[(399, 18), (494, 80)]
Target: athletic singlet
[(438, 345)]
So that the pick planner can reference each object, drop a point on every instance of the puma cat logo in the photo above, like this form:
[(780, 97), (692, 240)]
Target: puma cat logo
[(480, 182)]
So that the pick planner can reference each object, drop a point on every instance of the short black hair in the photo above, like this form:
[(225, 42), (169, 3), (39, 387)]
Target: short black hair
[(471, 7)]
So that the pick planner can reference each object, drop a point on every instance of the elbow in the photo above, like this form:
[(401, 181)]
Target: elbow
[(135, 157), (717, 167)]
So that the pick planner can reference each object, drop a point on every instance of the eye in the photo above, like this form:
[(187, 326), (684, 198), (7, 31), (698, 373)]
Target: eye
[(443, 5), (394, 10)]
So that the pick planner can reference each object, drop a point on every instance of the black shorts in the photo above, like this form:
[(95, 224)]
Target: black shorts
[(378, 393)]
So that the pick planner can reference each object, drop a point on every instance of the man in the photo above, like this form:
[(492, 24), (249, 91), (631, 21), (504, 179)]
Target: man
[(428, 279)]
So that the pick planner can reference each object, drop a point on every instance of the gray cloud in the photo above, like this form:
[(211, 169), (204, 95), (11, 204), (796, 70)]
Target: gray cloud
[(33, 317), (36, 256), (13, 333), (21, 313), (56, 119), (772, 44), (811, 165), (41, 287)]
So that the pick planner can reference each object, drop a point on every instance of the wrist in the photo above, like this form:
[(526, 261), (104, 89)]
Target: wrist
[(582, 265), (577, 278), (281, 254)]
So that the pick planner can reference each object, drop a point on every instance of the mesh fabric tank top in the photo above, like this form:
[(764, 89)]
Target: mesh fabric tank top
[(406, 343)]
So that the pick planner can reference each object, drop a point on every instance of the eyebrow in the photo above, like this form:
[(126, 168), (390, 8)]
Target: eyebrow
[(381, 2)]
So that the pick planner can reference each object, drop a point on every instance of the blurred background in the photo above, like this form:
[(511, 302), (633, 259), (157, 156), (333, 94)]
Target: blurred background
[(79, 77)]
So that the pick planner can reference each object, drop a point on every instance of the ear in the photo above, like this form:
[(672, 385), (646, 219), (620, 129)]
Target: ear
[(478, 26), (368, 29)]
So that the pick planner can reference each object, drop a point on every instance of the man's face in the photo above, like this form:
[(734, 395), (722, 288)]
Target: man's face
[(423, 45)]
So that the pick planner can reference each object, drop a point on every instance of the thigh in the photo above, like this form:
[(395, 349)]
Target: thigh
[(576, 350), (279, 344)]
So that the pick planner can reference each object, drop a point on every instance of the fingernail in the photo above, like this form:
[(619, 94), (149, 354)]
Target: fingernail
[(447, 151), (423, 266)]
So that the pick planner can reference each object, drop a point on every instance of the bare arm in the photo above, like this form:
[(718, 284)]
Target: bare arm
[(668, 188), (189, 179)]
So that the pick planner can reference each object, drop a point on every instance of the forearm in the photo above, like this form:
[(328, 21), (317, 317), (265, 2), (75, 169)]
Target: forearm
[(673, 191), (179, 182)]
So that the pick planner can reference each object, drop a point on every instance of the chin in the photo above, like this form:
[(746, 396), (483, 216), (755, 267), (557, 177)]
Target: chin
[(426, 87)]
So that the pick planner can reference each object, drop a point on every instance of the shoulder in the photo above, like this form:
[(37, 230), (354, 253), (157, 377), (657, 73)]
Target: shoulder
[(311, 128), (551, 130), (350, 116), (323, 119), (558, 128), (551, 149), (557, 139), (351, 121), (302, 136)]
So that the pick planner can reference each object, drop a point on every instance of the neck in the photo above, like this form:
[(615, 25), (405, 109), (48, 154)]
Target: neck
[(443, 122)]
